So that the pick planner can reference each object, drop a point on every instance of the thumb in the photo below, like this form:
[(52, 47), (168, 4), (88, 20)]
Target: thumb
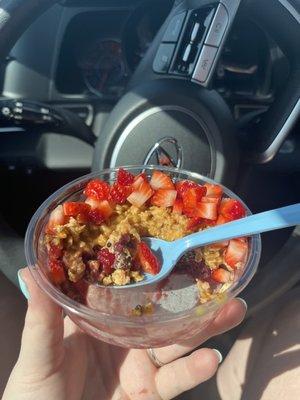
[(42, 339)]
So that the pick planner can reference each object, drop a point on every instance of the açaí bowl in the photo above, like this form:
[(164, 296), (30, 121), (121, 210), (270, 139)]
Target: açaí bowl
[(108, 315)]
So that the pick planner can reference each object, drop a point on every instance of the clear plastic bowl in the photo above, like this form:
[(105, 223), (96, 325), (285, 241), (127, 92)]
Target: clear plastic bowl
[(107, 317)]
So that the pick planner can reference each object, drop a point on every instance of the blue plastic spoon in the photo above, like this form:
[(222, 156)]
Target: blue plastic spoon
[(170, 252)]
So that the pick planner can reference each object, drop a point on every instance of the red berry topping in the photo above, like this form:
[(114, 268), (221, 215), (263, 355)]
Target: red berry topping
[(215, 200), (222, 220), (194, 223), (55, 252), (57, 217), (213, 190), (147, 259), (183, 186), (119, 193), (97, 190), (236, 253), (102, 206), (220, 275), (164, 198), (72, 208), (96, 217), (231, 209), (124, 178), (206, 210), (208, 222), (57, 271), (107, 259), (139, 196), (178, 206), (191, 198), (135, 265), (138, 180), (160, 180)]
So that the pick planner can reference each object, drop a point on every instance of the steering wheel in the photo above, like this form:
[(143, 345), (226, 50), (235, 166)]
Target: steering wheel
[(168, 108), (169, 114), (168, 104)]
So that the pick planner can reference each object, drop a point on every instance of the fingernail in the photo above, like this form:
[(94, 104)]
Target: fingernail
[(220, 357), (243, 301), (23, 285)]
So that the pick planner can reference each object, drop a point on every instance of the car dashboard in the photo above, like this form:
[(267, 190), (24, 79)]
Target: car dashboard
[(81, 54)]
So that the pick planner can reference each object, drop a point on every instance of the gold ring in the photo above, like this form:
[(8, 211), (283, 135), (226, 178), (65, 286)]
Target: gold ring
[(154, 359)]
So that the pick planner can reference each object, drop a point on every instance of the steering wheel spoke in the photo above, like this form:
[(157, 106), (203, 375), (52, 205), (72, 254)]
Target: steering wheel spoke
[(199, 35), (191, 40)]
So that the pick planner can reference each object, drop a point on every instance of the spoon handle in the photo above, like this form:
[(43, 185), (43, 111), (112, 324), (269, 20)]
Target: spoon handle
[(257, 223)]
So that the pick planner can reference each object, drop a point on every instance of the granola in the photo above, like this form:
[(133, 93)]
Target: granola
[(99, 239)]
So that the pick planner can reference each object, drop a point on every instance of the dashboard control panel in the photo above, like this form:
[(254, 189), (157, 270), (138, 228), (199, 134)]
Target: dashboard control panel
[(192, 41)]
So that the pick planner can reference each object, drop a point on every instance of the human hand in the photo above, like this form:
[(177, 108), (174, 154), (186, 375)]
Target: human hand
[(58, 361)]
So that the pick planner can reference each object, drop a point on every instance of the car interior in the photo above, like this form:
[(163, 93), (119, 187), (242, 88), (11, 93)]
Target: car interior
[(93, 84)]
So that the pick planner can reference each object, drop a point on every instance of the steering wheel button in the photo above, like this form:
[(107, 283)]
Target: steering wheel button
[(173, 30), (217, 27), (163, 57), (204, 64), (186, 53), (195, 31)]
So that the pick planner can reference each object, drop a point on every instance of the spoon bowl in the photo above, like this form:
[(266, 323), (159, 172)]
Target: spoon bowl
[(164, 251)]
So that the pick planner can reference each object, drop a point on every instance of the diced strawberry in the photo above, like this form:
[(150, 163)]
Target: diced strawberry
[(97, 189), (57, 217), (208, 222), (141, 195), (92, 203), (124, 178), (206, 210), (220, 275), (73, 208), (219, 245), (100, 210), (213, 190), (178, 206), (191, 198), (159, 180), (243, 239), (119, 193), (206, 199), (138, 180), (147, 259), (222, 220), (57, 271), (194, 223), (106, 209), (164, 197), (232, 209), (236, 253), (183, 186), (55, 252), (94, 216), (85, 218), (107, 259)]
